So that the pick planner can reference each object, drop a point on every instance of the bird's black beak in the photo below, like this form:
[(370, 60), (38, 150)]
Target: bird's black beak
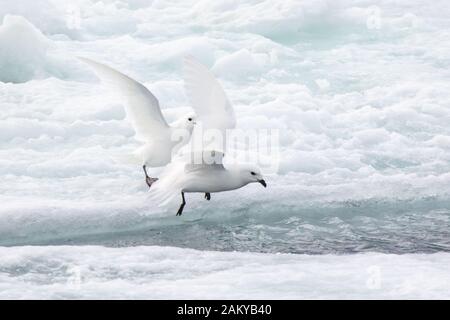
[(263, 183)]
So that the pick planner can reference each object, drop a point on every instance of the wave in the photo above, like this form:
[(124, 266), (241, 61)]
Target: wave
[(402, 226)]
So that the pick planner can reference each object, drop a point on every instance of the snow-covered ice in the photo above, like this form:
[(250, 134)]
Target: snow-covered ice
[(359, 91), (91, 272)]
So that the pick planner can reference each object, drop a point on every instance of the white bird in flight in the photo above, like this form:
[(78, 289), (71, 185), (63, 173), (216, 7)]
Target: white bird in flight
[(203, 172), (142, 107), (183, 174)]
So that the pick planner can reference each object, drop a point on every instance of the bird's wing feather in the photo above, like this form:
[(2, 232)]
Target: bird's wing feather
[(207, 96), (141, 105), (169, 184)]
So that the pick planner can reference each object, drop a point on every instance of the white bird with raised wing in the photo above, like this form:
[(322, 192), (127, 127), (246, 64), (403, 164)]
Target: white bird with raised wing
[(160, 140)]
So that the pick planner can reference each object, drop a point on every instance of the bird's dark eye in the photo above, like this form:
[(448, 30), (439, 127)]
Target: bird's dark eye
[(190, 119), (252, 173)]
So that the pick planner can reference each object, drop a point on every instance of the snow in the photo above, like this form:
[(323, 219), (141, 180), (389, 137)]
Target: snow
[(171, 273), (239, 64), (24, 50)]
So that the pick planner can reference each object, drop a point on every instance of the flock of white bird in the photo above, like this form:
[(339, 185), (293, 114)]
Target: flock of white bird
[(187, 170)]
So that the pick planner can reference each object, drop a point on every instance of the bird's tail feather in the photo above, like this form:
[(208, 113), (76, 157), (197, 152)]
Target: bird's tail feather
[(163, 197)]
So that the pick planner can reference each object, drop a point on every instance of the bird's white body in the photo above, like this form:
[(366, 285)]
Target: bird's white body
[(212, 180), (155, 153), (184, 174), (158, 151)]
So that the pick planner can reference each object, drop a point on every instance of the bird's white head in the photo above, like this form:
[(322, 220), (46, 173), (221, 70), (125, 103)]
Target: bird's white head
[(250, 174), (186, 122), (190, 121)]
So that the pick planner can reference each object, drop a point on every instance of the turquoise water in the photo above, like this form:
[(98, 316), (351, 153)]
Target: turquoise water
[(418, 226)]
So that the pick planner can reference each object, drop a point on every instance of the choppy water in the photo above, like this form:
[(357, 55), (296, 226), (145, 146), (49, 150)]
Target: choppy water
[(355, 227), (419, 226)]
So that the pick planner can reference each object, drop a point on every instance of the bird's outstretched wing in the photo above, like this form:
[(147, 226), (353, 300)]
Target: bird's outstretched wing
[(207, 97), (141, 105)]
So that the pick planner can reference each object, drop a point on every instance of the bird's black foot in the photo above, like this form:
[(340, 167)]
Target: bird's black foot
[(180, 210), (149, 180), (208, 196)]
